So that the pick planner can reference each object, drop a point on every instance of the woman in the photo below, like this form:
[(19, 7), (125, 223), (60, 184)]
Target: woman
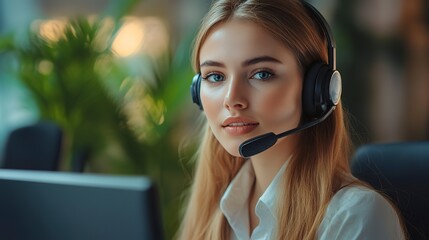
[(254, 59)]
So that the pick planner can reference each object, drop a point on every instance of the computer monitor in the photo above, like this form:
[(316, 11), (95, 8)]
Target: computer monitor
[(75, 206)]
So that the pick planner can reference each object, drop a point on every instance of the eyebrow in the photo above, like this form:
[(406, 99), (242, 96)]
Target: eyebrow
[(212, 63), (260, 59), (248, 62)]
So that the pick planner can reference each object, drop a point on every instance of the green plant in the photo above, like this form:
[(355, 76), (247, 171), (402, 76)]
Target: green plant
[(124, 123)]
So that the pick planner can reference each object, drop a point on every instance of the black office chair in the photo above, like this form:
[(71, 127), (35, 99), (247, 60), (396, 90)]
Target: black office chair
[(34, 147), (401, 171)]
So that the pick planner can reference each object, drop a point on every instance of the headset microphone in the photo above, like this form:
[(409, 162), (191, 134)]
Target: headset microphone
[(261, 143)]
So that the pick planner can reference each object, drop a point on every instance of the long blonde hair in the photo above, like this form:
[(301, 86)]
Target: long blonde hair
[(319, 167)]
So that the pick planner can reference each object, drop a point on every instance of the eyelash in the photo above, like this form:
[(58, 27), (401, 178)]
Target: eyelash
[(270, 74), (212, 74), (252, 76)]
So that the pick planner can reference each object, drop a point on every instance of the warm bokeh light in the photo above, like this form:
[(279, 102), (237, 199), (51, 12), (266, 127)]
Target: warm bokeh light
[(129, 39), (51, 30), (147, 35)]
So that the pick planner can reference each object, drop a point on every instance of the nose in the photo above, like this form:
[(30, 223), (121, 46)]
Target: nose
[(235, 97)]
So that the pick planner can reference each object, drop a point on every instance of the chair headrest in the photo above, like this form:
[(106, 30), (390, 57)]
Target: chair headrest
[(401, 172)]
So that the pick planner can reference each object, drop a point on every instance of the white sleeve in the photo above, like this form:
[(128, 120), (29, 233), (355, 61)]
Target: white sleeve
[(359, 213)]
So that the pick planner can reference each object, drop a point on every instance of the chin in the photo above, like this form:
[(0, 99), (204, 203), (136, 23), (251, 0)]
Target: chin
[(230, 145), (232, 150)]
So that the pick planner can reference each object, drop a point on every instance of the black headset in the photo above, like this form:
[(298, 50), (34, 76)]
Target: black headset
[(321, 90)]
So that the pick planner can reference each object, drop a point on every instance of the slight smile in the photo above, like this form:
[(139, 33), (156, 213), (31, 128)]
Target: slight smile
[(239, 126)]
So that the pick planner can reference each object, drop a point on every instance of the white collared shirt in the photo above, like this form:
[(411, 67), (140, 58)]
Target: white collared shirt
[(353, 213)]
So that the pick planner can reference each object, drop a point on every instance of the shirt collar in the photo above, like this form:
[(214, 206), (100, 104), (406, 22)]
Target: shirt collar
[(234, 202)]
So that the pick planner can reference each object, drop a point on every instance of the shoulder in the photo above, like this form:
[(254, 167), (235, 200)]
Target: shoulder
[(359, 200), (357, 212)]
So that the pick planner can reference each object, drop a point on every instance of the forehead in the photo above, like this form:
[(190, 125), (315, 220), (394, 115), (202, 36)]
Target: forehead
[(239, 39)]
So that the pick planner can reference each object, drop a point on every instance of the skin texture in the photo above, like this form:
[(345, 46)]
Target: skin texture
[(251, 85)]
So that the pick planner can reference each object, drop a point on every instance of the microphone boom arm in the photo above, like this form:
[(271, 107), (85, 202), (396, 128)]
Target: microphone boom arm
[(261, 143)]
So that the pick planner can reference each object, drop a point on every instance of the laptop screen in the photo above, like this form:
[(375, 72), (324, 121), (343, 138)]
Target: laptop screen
[(61, 205)]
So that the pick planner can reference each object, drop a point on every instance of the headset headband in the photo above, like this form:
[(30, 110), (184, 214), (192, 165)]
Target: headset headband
[(332, 62)]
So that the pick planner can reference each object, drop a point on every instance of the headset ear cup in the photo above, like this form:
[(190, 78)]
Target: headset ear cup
[(195, 90), (321, 94), (335, 88), (308, 90)]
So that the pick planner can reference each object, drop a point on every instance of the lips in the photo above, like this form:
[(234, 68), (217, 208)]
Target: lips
[(239, 126)]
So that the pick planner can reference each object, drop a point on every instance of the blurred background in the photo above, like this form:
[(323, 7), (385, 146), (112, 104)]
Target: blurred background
[(115, 76)]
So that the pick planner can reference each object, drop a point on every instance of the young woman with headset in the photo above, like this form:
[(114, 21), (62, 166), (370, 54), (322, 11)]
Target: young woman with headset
[(273, 162)]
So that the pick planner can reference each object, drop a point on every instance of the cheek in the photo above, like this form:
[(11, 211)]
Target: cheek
[(283, 103), (212, 101)]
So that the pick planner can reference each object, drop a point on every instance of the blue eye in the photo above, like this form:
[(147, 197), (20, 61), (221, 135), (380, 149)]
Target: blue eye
[(262, 75), (214, 77)]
